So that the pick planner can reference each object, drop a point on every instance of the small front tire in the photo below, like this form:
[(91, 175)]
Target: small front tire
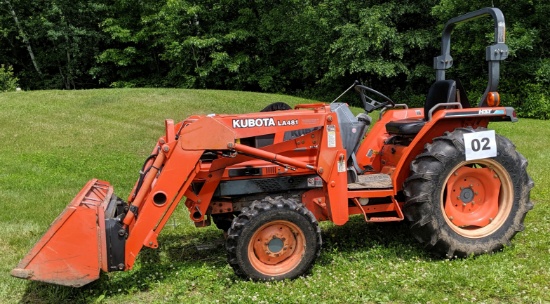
[(273, 239)]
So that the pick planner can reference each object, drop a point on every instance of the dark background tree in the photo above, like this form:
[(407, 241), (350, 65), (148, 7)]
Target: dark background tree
[(54, 43), (312, 48)]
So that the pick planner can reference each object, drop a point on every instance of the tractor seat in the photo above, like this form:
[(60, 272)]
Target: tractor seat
[(405, 126), (442, 91)]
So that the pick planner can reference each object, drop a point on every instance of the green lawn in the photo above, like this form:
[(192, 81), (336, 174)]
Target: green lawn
[(55, 141)]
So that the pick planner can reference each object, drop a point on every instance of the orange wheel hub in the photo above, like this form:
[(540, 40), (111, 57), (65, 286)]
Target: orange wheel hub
[(477, 198), (276, 247), (472, 197)]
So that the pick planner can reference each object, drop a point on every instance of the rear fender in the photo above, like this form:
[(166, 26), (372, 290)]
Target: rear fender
[(442, 121)]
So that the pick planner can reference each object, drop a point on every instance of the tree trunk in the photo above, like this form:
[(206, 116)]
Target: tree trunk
[(24, 36)]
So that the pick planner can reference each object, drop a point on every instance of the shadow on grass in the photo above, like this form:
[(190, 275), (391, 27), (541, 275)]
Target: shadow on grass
[(393, 239), (184, 256), (177, 252)]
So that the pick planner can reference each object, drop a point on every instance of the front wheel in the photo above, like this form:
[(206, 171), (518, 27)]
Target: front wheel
[(273, 239), (461, 207)]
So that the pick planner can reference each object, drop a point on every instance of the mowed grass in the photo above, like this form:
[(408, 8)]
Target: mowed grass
[(53, 142)]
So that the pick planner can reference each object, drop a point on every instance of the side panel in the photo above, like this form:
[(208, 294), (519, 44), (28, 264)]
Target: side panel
[(368, 153)]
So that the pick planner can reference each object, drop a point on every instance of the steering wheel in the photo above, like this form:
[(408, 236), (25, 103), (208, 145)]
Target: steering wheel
[(370, 103)]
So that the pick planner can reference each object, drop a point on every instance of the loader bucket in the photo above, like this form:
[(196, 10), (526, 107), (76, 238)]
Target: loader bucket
[(73, 250)]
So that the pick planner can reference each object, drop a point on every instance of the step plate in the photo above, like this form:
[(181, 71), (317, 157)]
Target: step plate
[(372, 181)]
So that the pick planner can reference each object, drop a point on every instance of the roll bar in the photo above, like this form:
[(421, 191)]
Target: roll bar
[(495, 52)]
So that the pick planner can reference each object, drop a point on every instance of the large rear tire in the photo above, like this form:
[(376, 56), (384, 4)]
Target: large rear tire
[(273, 239), (459, 208)]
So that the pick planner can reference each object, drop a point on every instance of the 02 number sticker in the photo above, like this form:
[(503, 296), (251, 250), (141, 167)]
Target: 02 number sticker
[(480, 145)]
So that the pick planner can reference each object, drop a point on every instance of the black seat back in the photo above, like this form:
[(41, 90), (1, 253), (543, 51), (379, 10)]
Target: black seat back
[(441, 91)]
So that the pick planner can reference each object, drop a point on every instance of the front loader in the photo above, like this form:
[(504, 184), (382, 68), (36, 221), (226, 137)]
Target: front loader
[(268, 178)]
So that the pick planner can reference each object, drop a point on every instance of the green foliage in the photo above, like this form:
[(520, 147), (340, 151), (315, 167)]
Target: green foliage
[(372, 43), (8, 82), (306, 48), (64, 37), (131, 55), (536, 104), (300, 47)]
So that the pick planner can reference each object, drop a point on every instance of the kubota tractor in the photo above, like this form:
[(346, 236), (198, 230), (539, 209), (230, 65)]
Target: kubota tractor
[(266, 179)]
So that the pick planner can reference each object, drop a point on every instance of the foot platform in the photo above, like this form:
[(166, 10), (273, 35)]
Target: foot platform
[(372, 181)]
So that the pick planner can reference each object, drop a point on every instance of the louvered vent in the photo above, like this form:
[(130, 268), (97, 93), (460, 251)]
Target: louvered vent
[(270, 170)]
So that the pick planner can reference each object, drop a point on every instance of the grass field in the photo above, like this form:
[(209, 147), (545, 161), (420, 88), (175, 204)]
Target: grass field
[(53, 142)]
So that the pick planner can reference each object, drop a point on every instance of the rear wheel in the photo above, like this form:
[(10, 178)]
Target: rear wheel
[(273, 239), (458, 207)]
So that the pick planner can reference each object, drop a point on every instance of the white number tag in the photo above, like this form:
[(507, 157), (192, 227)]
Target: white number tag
[(480, 145)]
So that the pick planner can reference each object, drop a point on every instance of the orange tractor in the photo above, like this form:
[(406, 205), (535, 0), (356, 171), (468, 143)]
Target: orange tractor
[(266, 179)]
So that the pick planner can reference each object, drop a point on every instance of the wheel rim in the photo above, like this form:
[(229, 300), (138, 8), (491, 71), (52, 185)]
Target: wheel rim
[(276, 248), (477, 198)]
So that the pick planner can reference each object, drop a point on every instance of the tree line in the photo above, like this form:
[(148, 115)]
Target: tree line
[(310, 48)]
